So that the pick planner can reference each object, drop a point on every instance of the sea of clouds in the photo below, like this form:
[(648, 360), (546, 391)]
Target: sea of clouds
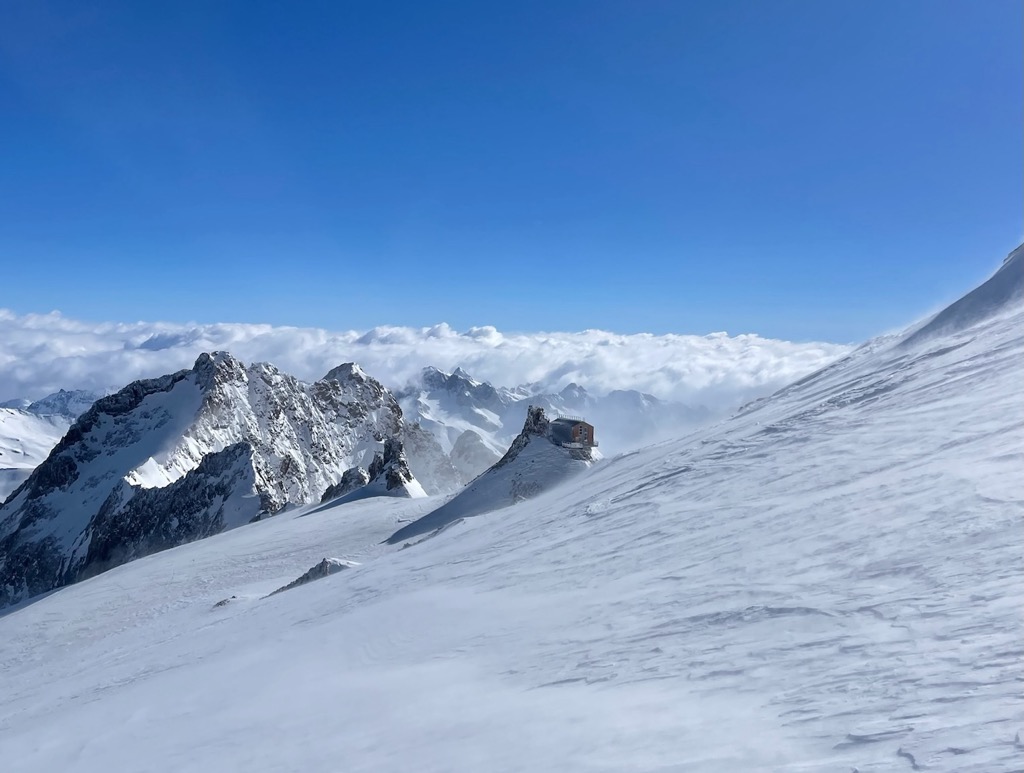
[(40, 353)]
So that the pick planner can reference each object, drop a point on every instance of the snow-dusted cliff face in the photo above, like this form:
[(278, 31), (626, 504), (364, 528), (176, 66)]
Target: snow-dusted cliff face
[(66, 403), (388, 476), (169, 460), (450, 405), (534, 463)]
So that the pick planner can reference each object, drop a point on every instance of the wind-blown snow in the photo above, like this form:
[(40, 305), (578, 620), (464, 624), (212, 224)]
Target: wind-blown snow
[(829, 581), (42, 352)]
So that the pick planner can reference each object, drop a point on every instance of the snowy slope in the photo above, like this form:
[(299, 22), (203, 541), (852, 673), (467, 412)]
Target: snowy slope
[(534, 463), (28, 430), (25, 440), (830, 581)]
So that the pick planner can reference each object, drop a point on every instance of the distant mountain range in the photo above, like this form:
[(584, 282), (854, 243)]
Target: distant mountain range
[(93, 481), (450, 404)]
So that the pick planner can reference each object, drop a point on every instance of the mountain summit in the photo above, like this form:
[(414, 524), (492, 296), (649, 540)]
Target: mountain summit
[(173, 459)]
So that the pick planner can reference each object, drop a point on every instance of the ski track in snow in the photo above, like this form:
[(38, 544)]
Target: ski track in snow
[(831, 580)]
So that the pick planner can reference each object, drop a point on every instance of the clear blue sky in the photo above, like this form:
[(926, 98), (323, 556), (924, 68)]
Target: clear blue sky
[(797, 169)]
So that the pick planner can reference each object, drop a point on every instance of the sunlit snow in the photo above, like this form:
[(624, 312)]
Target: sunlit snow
[(830, 581)]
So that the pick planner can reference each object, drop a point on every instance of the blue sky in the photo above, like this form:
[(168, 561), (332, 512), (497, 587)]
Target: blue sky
[(804, 170)]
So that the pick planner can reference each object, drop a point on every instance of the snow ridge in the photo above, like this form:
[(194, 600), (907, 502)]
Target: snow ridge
[(533, 464)]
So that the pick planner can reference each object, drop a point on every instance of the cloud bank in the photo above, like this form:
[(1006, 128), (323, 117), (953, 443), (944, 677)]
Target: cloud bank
[(40, 353)]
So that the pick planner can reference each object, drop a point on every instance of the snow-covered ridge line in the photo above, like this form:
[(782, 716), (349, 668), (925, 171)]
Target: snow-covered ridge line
[(169, 460)]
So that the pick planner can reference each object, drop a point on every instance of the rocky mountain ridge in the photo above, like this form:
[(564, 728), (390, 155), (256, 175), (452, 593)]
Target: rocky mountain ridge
[(169, 460), (449, 405)]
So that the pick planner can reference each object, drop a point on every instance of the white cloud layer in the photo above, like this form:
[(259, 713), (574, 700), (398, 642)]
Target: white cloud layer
[(40, 353)]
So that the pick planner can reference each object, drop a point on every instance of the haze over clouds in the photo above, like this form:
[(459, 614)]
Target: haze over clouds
[(40, 353)]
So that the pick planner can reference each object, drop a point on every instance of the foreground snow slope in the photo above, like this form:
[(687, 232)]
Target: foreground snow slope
[(831, 580)]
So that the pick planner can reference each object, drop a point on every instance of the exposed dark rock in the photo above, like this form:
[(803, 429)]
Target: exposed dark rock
[(391, 466), (325, 568), (352, 479), (134, 522)]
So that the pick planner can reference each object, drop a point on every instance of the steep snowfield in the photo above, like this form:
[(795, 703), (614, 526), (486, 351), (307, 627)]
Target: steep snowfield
[(534, 463), (832, 580), (25, 440), (28, 430)]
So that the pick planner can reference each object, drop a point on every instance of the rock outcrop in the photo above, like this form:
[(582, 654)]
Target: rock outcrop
[(535, 462), (325, 568), (389, 476)]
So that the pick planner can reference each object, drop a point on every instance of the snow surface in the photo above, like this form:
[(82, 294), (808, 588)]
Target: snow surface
[(538, 466), (28, 430), (830, 581), (25, 440)]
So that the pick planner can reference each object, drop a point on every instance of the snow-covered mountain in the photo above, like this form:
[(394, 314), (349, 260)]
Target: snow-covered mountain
[(534, 463), (449, 405), (830, 580), (67, 403), (28, 430), (169, 460)]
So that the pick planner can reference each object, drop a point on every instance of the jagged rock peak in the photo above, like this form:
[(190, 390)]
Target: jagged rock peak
[(212, 368), (536, 422), (347, 371), (149, 469), (67, 403), (574, 391), (392, 465), (534, 463), (435, 378), (352, 479), (389, 475)]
